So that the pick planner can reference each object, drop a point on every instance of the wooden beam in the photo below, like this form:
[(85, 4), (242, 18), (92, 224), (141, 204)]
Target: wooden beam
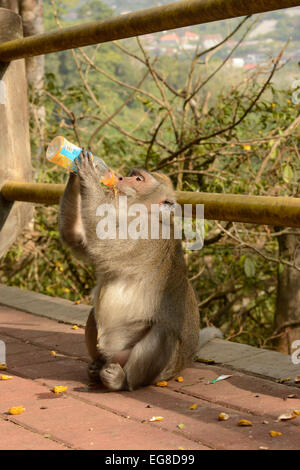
[(266, 210), (15, 160), (151, 20)]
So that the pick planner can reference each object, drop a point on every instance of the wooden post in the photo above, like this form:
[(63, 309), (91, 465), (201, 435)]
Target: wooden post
[(15, 162)]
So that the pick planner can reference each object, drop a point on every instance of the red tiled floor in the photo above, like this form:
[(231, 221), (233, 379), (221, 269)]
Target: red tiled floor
[(91, 418)]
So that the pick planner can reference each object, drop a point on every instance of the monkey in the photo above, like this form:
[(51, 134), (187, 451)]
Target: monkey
[(144, 324)]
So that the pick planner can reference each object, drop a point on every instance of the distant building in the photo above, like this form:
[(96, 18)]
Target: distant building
[(71, 16), (238, 62), (149, 38), (231, 43), (170, 39), (189, 36), (249, 66), (211, 40)]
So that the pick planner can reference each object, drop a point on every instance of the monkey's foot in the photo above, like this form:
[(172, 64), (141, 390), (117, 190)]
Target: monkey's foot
[(113, 377), (93, 371)]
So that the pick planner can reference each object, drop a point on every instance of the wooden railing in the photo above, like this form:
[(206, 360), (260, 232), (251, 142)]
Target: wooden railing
[(283, 211)]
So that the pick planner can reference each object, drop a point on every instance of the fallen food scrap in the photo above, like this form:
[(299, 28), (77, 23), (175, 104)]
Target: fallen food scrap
[(75, 327), (162, 383), (179, 379), (223, 417), (53, 353), (156, 418), (180, 426), (5, 377), (275, 433), (16, 410), (244, 422), (221, 377), (193, 406), (287, 416), (3, 366), (59, 389), (281, 381)]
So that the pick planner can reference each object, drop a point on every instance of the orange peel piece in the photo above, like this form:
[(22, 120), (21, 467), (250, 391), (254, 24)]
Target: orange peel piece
[(16, 410), (193, 406), (59, 389), (162, 383), (275, 433), (156, 418), (224, 417), (244, 422)]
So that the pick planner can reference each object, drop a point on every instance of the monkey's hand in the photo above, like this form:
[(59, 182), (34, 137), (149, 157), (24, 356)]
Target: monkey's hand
[(86, 171), (92, 195)]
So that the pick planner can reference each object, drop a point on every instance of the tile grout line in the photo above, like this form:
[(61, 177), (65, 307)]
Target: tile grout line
[(31, 429), (229, 406)]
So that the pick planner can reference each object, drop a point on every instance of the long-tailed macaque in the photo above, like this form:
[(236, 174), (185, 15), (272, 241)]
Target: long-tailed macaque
[(144, 326)]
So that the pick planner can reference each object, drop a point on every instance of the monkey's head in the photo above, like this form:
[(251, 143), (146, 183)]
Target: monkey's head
[(141, 185)]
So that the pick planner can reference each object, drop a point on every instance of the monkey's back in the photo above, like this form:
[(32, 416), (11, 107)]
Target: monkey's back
[(188, 338)]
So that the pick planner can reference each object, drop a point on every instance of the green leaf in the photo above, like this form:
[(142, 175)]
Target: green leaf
[(249, 267), (280, 268), (273, 154), (287, 173)]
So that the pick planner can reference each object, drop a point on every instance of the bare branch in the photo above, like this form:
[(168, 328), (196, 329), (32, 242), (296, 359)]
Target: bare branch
[(117, 111), (68, 112), (159, 76), (197, 140)]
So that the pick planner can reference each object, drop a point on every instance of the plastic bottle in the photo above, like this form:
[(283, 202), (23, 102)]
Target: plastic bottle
[(63, 153)]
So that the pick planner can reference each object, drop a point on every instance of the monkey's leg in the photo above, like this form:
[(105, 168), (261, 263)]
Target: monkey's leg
[(91, 339), (70, 221), (146, 360)]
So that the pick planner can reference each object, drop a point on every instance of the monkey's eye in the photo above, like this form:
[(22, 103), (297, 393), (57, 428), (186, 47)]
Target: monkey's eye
[(139, 178)]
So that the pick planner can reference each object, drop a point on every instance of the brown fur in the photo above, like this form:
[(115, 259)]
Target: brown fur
[(144, 325)]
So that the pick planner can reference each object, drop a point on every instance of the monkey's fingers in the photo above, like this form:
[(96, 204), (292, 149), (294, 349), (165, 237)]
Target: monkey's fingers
[(84, 162), (86, 171), (86, 155)]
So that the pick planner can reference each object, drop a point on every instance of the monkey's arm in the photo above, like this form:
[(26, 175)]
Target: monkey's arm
[(92, 195), (70, 222)]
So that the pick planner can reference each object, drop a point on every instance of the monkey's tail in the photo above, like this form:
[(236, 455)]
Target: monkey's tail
[(207, 334)]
